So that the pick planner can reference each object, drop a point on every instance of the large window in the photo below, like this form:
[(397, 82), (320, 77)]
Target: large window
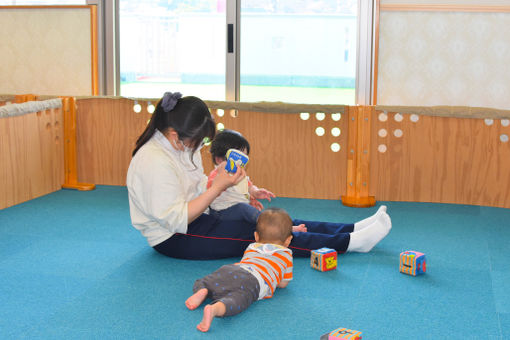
[(172, 46), (298, 51), (291, 51)]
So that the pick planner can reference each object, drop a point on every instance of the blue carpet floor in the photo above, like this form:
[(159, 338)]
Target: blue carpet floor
[(72, 267)]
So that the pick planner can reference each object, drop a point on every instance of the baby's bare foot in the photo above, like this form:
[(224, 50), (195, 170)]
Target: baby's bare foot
[(205, 324), (196, 299), (299, 228)]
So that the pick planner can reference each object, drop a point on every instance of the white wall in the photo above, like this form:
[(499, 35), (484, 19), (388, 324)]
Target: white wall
[(444, 58), (45, 51)]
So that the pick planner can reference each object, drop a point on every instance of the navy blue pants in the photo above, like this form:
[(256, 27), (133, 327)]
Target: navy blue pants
[(240, 211), (211, 237)]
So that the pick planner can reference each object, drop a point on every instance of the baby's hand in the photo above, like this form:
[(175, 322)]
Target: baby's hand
[(299, 228), (256, 204), (263, 194)]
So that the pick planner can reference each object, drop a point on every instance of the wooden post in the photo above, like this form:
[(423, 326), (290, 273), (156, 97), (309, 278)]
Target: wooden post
[(70, 161), (358, 158), (93, 40)]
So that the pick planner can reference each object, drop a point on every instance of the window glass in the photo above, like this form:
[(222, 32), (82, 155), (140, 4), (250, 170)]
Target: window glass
[(298, 51), (172, 46)]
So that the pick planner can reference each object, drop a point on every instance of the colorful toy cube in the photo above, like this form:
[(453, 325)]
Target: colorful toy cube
[(235, 158), (323, 259), (413, 263), (344, 333)]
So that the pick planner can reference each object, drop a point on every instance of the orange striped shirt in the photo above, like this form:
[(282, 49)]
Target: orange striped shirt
[(272, 263)]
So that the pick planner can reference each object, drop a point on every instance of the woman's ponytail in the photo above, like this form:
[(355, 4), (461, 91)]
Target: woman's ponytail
[(146, 134), (158, 120)]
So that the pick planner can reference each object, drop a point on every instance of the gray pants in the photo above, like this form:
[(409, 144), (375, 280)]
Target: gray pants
[(232, 285)]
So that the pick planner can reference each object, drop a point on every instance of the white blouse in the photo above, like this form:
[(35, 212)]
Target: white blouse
[(161, 181)]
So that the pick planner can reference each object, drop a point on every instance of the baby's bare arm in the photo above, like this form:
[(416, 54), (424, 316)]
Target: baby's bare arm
[(283, 284)]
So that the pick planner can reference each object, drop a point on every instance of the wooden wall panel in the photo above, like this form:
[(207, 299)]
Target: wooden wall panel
[(31, 155), (439, 159), (287, 156), (106, 131), (434, 159)]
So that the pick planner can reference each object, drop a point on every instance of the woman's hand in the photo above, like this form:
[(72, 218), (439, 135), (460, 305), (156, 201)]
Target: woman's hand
[(222, 181), (226, 179)]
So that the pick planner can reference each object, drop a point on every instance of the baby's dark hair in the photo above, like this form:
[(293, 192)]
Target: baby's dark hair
[(274, 224), (228, 139)]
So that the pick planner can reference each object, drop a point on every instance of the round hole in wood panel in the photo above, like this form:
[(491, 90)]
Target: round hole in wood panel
[(304, 115), (335, 147)]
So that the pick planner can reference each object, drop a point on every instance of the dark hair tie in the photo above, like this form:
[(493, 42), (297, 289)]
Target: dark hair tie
[(170, 100)]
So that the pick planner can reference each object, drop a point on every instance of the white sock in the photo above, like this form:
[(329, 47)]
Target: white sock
[(364, 240), (369, 220)]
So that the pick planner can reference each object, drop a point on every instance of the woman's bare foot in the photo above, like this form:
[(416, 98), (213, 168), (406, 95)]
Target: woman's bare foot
[(210, 311), (299, 228), (196, 299)]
